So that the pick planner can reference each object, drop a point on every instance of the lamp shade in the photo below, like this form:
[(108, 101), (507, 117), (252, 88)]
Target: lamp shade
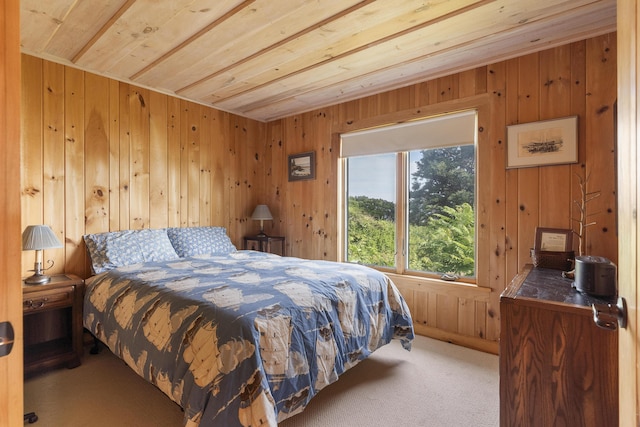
[(262, 212), (38, 237)]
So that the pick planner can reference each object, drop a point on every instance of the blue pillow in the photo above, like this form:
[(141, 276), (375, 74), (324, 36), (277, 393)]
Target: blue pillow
[(119, 248), (190, 241)]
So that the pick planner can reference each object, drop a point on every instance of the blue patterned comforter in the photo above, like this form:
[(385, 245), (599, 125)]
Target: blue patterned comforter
[(244, 339)]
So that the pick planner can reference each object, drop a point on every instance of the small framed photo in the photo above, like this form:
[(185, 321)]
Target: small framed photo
[(548, 142), (553, 239), (302, 166)]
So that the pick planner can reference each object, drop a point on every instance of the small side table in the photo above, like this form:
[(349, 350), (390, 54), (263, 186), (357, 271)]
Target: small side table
[(264, 244), (52, 323)]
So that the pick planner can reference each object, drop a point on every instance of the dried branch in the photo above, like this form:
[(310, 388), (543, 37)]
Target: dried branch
[(586, 197)]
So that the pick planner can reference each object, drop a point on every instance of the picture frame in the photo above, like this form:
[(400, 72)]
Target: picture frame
[(553, 239), (302, 166), (547, 142)]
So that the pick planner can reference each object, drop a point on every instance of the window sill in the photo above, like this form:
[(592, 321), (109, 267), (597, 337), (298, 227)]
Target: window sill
[(459, 289)]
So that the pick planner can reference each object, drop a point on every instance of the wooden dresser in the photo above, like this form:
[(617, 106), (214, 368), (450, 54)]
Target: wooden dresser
[(556, 366)]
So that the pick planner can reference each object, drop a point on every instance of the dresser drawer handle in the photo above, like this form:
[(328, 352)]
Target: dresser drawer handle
[(36, 304)]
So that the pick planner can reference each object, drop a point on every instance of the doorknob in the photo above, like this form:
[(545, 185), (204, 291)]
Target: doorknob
[(610, 316), (6, 338)]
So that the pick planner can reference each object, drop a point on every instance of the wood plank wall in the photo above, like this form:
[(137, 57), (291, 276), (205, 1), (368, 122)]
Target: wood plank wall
[(575, 79), (99, 155)]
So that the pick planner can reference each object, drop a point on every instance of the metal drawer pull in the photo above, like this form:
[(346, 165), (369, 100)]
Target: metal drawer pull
[(39, 304)]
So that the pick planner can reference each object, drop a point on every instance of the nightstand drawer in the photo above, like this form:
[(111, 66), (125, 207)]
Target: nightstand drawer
[(46, 300), (265, 244)]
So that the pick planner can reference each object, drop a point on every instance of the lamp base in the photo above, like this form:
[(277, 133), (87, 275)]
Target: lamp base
[(37, 279), (261, 234)]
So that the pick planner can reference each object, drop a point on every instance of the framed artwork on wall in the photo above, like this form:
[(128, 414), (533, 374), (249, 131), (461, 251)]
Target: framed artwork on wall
[(302, 166), (548, 142)]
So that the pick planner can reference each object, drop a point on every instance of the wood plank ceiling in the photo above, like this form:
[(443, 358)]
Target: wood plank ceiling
[(267, 59)]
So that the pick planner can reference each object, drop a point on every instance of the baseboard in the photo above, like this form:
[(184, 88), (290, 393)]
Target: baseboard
[(463, 340)]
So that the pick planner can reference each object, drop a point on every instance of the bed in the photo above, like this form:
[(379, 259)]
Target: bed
[(236, 338)]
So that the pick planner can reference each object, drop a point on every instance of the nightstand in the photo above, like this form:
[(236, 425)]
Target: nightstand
[(265, 244), (52, 323)]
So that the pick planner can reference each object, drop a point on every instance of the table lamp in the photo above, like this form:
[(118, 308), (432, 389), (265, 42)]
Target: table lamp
[(37, 238), (261, 213)]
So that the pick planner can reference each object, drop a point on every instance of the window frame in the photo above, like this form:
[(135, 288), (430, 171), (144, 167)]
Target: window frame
[(403, 178), (480, 103)]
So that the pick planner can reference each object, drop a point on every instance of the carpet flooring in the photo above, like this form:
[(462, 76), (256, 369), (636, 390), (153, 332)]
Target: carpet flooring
[(436, 384)]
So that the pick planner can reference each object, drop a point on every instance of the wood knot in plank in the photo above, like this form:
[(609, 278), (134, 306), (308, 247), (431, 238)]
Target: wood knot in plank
[(31, 191)]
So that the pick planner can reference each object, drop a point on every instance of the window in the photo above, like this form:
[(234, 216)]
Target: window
[(410, 196)]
